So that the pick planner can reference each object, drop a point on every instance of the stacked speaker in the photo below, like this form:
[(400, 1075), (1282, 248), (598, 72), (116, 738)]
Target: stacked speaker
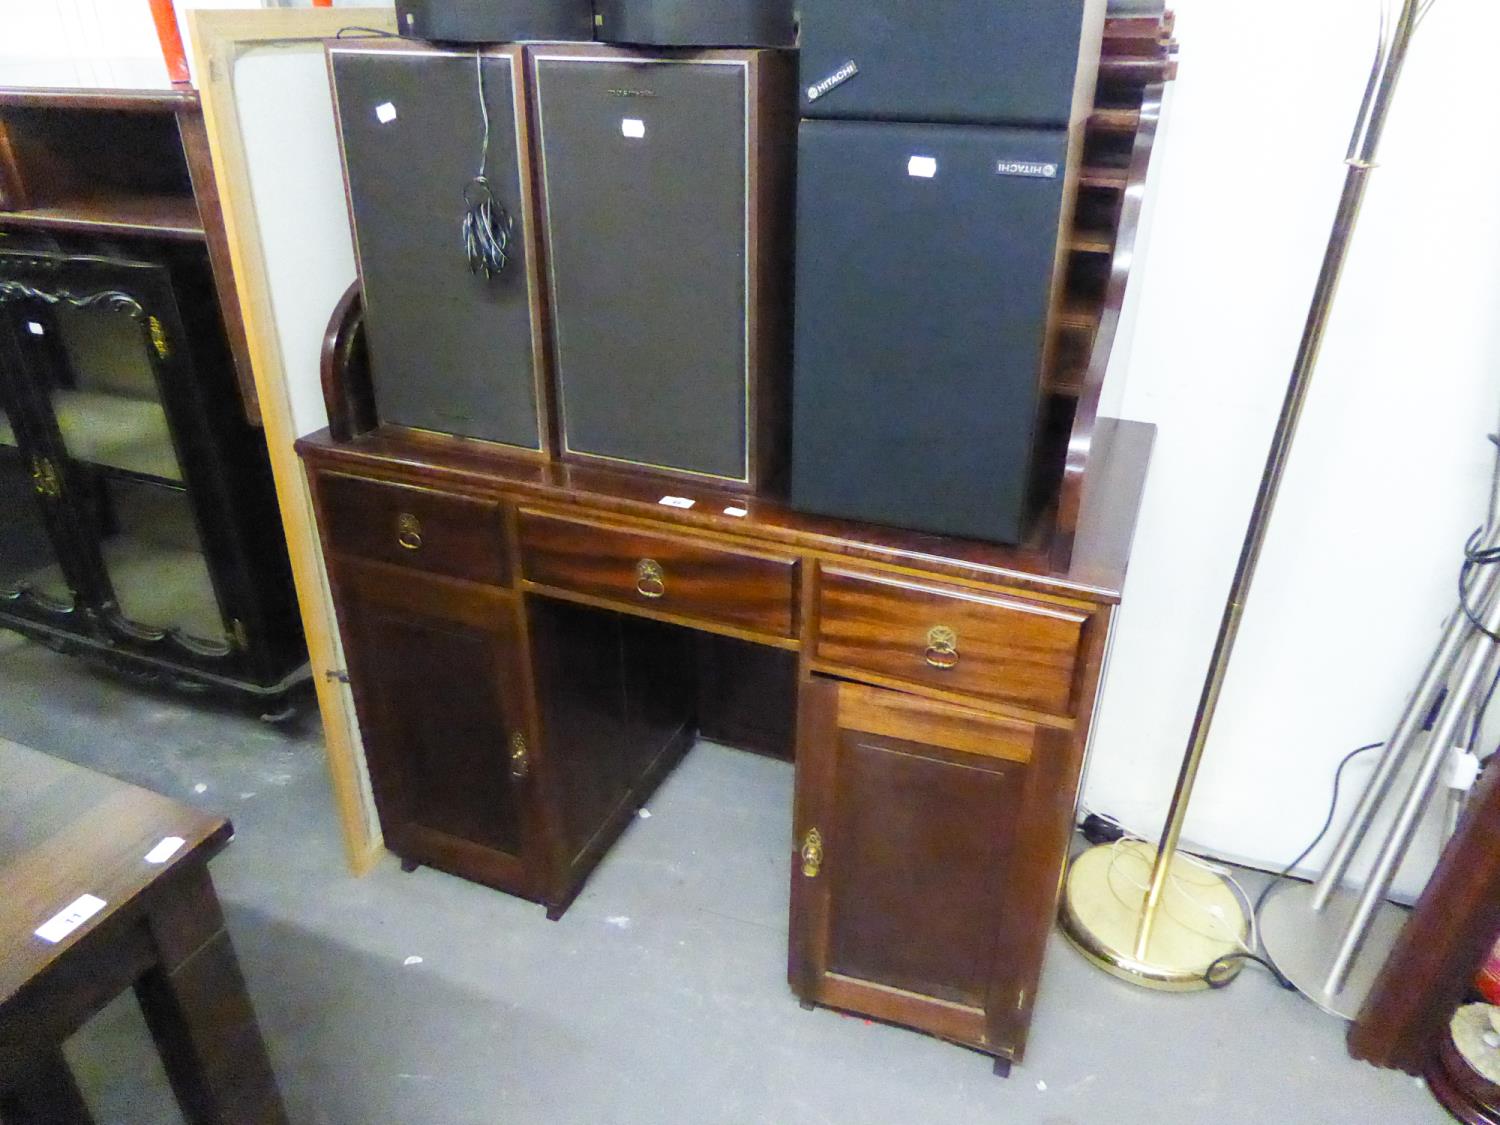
[(640, 313), (630, 170), (937, 157)]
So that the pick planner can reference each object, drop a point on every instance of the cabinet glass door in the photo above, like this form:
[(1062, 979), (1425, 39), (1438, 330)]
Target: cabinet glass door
[(29, 569), (98, 356)]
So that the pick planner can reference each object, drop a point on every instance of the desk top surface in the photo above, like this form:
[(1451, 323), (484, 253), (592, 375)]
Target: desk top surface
[(67, 831), (1094, 569)]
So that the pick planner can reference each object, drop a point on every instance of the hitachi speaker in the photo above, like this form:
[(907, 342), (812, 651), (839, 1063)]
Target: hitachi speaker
[(926, 260), (666, 207), (451, 350), (495, 21), (1012, 61), (696, 23)]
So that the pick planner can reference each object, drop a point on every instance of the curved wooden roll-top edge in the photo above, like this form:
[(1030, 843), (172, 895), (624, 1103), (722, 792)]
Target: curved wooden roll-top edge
[(350, 402), (1088, 442)]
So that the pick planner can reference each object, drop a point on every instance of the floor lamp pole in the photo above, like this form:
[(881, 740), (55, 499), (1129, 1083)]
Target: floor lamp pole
[(1181, 968)]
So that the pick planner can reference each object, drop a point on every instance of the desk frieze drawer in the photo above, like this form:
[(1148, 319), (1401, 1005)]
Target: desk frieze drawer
[(436, 532), (670, 575), (990, 646)]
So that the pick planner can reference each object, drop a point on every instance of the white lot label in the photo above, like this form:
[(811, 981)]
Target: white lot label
[(923, 166), (633, 127), (737, 513), (676, 502), (385, 113), (75, 914), (165, 850)]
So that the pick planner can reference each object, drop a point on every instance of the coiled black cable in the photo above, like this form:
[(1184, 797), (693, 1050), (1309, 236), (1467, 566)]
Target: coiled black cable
[(487, 226)]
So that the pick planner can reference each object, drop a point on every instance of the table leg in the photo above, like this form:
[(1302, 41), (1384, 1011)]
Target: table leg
[(45, 1094), (199, 1013)]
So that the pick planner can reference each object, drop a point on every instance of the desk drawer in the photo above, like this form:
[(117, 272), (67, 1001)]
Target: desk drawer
[(637, 569), (416, 527), (985, 645)]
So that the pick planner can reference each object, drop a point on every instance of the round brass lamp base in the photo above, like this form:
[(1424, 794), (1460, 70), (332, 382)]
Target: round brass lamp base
[(1200, 918)]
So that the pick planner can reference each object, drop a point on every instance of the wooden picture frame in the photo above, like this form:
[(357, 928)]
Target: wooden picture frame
[(218, 38)]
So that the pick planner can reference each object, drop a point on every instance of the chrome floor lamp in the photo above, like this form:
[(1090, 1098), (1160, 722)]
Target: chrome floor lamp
[(1169, 930)]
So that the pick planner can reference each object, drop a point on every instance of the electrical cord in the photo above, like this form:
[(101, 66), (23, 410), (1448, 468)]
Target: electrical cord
[(365, 33), (487, 226), (1215, 975)]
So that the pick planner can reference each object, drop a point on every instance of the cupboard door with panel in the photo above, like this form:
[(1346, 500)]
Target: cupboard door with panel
[(433, 666), (906, 858)]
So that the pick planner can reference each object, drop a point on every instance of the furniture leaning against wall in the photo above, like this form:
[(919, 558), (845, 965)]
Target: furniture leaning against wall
[(141, 523), (534, 640)]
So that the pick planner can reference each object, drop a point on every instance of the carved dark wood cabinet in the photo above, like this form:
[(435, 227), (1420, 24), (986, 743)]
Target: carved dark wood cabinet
[(533, 643), (140, 520)]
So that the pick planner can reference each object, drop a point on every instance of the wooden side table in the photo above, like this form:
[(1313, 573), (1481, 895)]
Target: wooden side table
[(150, 921)]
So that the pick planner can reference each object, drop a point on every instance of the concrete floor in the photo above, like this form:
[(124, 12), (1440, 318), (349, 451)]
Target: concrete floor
[(659, 998)]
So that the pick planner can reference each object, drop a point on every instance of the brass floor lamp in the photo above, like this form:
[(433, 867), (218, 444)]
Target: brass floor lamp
[(1169, 929)]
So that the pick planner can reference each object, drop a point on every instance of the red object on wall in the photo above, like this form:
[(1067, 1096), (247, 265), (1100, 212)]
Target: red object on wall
[(164, 14), (1488, 978)]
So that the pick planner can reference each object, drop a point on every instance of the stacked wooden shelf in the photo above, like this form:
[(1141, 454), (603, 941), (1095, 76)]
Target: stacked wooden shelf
[(119, 164), (1139, 56)]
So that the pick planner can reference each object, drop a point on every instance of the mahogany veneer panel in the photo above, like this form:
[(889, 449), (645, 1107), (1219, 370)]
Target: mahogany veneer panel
[(909, 811), (1005, 648), (414, 527), (736, 588)]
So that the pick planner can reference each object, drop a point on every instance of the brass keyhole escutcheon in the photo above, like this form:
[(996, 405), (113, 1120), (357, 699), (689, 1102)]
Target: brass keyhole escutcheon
[(942, 647), (812, 853), (650, 582), (520, 758), (408, 531)]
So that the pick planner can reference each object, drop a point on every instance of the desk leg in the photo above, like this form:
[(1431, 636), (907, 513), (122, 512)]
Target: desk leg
[(199, 1013), (45, 1094)]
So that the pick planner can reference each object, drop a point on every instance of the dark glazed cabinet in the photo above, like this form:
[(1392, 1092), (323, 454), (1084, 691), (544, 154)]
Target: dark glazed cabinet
[(433, 664), (908, 875), (148, 535)]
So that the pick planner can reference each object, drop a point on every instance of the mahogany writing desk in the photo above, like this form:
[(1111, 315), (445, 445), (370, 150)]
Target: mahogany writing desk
[(523, 640), (66, 832), (533, 644)]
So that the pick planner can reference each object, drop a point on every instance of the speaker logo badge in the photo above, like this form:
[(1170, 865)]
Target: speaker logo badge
[(1036, 169), (833, 81)]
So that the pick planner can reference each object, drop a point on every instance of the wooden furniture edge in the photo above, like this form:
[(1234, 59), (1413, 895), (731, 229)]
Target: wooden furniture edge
[(164, 100), (1424, 979), (216, 39), (1088, 440)]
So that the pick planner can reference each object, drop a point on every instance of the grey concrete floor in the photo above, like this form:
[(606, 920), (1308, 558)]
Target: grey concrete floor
[(660, 997)]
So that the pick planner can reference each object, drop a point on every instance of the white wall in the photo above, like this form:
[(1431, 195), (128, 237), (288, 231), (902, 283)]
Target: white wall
[(109, 43), (1391, 467)]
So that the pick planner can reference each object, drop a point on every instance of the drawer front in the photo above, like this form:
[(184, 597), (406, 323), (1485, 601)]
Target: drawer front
[(664, 573), (990, 646), (415, 527)]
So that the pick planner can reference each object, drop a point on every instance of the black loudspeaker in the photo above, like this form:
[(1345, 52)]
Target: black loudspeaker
[(450, 350), (665, 188), (696, 23), (925, 265), (495, 21), (1009, 61)]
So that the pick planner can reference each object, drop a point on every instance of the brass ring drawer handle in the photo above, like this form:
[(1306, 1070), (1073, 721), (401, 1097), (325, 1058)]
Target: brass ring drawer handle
[(942, 647), (408, 531), (650, 582)]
